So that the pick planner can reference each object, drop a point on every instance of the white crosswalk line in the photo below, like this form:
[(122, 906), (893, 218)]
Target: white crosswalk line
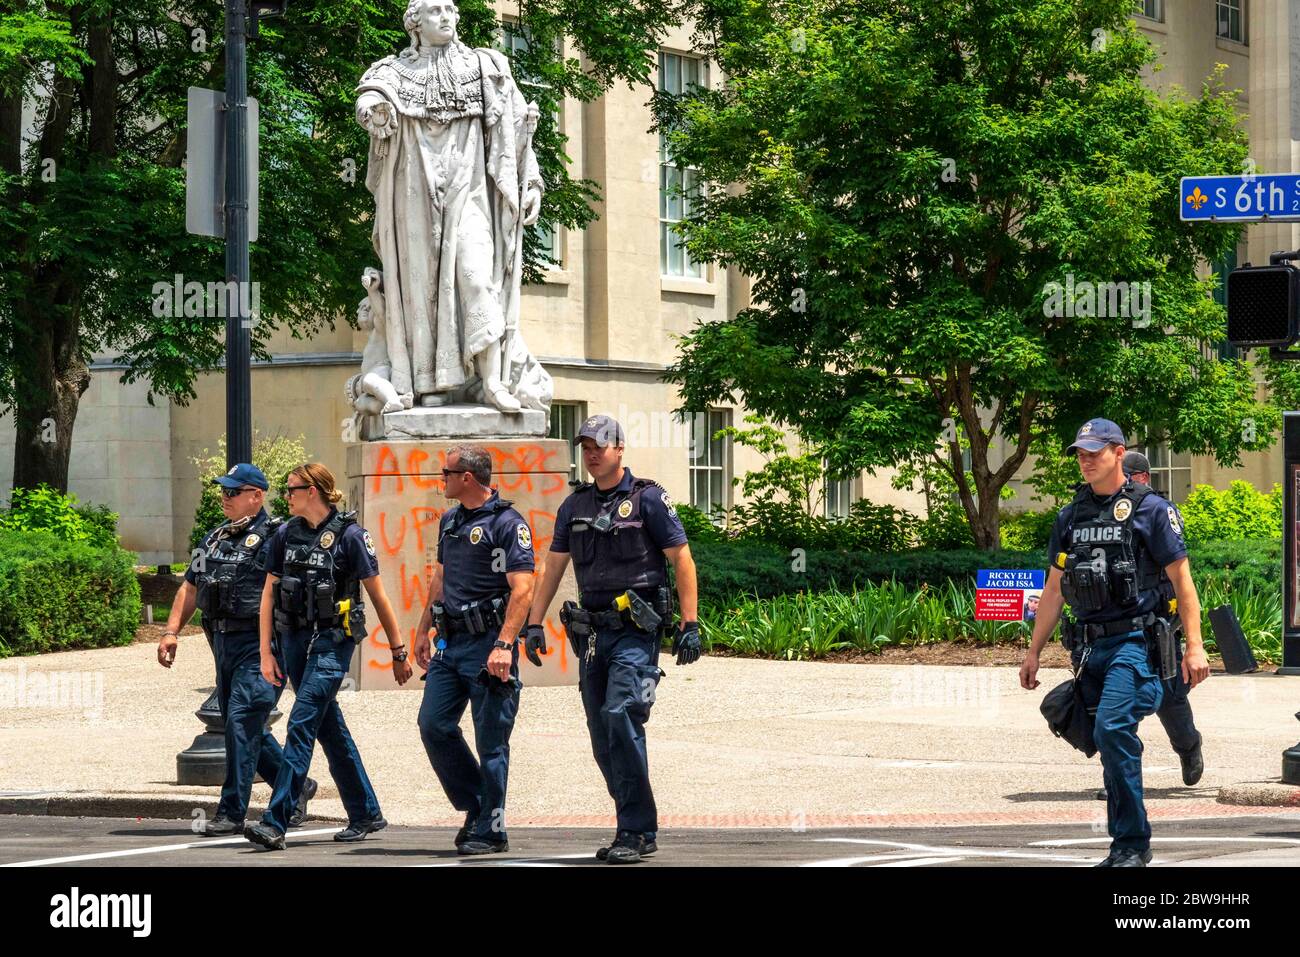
[(105, 855)]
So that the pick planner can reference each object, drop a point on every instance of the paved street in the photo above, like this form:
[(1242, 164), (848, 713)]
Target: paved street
[(108, 842)]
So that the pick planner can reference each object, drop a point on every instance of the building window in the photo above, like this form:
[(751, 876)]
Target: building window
[(1151, 9), (566, 419), (710, 461), (1171, 473), (838, 497), (514, 39), (677, 184), (1230, 20)]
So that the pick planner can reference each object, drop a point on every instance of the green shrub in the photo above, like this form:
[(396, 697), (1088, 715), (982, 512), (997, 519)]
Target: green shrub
[(57, 594), (275, 456), (49, 509), (699, 527), (1238, 512), (1026, 531)]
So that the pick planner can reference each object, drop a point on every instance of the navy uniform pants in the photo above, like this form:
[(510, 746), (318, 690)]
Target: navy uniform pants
[(618, 687), (317, 676), (1119, 677), (477, 788), (1176, 713), (246, 700)]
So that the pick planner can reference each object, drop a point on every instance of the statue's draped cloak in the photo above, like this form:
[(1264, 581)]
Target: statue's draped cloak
[(448, 187)]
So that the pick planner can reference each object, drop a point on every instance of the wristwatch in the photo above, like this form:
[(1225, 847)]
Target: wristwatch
[(503, 645), (399, 654)]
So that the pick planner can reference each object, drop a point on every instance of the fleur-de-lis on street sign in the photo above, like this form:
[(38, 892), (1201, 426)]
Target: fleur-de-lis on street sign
[(1197, 199)]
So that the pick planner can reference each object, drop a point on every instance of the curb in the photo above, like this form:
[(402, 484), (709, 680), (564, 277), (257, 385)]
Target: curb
[(1261, 795), (104, 805)]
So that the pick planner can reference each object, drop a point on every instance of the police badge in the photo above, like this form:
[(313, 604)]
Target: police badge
[(327, 540), (625, 509), (1123, 508), (251, 540), (476, 534)]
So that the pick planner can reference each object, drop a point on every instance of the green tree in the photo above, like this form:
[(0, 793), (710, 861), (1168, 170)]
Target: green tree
[(904, 180), (92, 198)]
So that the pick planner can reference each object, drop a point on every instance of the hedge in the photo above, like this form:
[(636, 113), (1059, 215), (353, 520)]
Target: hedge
[(728, 570), (58, 595)]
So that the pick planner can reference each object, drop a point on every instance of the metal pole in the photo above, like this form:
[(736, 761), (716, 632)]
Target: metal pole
[(239, 411)]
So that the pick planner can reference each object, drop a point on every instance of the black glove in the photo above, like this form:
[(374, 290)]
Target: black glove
[(534, 642), (686, 643)]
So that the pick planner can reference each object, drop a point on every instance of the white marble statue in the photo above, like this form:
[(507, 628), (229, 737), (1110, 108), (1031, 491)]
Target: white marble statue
[(371, 391), (456, 183)]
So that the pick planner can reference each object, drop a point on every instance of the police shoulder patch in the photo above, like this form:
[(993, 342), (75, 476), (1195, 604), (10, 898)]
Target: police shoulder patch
[(476, 534), (625, 509), (370, 544), (668, 504), (1174, 521), (327, 540), (525, 536)]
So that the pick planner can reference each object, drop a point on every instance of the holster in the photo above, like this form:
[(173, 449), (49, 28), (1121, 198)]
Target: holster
[(441, 621), (642, 614), (1166, 636), (1069, 635)]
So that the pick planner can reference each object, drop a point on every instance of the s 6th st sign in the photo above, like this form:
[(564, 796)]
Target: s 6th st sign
[(1272, 196)]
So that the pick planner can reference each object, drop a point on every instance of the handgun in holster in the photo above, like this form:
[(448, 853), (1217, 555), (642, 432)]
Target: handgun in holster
[(640, 611)]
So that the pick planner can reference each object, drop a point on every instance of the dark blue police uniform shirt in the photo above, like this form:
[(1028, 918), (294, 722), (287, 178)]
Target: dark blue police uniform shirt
[(259, 560), (657, 513), (1157, 524), (470, 540), (354, 552)]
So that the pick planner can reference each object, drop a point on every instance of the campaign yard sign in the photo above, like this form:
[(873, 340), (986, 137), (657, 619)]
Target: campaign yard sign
[(1008, 594)]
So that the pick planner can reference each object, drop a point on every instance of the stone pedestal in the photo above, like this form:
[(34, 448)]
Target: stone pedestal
[(453, 423), (397, 489)]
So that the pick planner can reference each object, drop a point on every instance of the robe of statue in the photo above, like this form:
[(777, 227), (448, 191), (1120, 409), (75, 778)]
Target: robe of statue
[(449, 185)]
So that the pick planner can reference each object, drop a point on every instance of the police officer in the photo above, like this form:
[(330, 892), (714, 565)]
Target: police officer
[(1175, 711), (1107, 550), (224, 582), (621, 532), (316, 565), (478, 599)]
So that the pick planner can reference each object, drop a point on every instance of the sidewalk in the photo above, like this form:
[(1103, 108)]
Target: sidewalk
[(733, 742)]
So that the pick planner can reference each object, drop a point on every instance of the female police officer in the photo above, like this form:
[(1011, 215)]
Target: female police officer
[(225, 583), (316, 564), (1107, 550)]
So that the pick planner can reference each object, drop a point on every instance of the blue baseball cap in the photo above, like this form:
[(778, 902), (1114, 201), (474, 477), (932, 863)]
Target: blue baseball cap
[(241, 475), (1095, 434)]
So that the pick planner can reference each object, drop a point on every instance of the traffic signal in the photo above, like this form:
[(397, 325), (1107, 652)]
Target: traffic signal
[(1262, 306)]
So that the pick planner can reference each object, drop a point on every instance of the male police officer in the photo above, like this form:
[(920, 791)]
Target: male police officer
[(481, 588), (1107, 550), (225, 583), (619, 530)]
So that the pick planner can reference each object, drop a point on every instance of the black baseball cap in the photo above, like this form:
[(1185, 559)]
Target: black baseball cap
[(1095, 434), (241, 475), (603, 429), (1135, 462)]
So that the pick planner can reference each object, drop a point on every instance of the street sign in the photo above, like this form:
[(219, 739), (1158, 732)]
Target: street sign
[(205, 166), (1258, 197)]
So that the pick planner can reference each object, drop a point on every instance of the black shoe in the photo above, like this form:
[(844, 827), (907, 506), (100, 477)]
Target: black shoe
[(463, 834), (649, 848), (1193, 765), (308, 792), (358, 831), (626, 849), (1126, 857), (223, 827), (265, 835), (1101, 794), (478, 846)]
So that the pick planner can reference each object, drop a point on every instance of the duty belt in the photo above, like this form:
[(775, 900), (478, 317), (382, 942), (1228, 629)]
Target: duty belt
[(1090, 633), (235, 624)]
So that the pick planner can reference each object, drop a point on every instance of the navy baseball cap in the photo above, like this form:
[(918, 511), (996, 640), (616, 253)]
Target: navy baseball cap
[(1135, 462), (1095, 434), (603, 428), (241, 475)]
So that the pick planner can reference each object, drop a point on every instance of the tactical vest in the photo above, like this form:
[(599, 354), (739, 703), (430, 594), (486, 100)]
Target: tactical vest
[(307, 596), (1104, 568), (230, 585), (610, 547)]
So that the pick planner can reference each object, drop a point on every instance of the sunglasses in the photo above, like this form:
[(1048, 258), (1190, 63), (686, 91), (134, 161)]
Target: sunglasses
[(446, 472), (290, 489), (235, 492)]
